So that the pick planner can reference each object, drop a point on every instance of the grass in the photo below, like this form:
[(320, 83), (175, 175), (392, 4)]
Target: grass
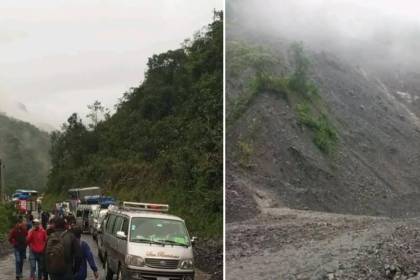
[(325, 135), (242, 56), (260, 83), (241, 104), (297, 86), (259, 61), (245, 153), (270, 83)]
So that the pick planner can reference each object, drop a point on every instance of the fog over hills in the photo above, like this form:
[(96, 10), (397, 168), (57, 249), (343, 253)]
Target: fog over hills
[(323, 150), (24, 150), (364, 64), (64, 55), (362, 31)]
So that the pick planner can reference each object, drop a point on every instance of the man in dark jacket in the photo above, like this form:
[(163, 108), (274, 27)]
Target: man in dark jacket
[(45, 217), (72, 251), (17, 237), (87, 257)]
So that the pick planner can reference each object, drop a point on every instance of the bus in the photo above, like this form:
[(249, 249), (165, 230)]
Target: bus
[(78, 195), (25, 200)]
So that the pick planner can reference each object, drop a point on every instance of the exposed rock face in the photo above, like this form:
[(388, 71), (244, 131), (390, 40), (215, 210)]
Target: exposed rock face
[(296, 212), (375, 169)]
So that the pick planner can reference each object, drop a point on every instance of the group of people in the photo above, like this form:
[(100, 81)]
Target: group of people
[(56, 250)]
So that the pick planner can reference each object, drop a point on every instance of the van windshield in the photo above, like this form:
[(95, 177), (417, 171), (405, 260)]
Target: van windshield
[(158, 231)]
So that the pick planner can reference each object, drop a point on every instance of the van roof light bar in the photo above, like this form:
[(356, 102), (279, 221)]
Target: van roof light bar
[(145, 206)]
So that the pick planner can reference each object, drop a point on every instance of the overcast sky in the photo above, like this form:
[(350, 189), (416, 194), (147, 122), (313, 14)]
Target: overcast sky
[(387, 29), (58, 56)]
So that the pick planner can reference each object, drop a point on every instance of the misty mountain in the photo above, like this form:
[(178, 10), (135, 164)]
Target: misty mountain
[(378, 34), (24, 150), (19, 110), (345, 140)]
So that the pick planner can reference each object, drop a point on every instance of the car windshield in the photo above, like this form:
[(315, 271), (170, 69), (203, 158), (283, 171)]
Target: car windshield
[(154, 230)]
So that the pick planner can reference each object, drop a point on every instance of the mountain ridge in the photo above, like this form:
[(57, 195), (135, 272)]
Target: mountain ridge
[(24, 149)]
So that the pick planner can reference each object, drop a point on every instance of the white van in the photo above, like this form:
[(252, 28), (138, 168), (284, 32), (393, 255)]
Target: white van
[(142, 242)]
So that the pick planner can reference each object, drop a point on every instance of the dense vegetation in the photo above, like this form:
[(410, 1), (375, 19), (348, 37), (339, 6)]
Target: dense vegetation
[(24, 150), (7, 219), (310, 109), (164, 142), (294, 85)]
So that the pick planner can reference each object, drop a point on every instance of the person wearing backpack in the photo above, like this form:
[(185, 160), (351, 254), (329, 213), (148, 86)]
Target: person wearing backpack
[(87, 257), (37, 239), (63, 253), (49, 230), (17, 237)]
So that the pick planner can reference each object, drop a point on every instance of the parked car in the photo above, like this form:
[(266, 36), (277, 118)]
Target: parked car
[(140, 241), (100, 239), (95, 221)]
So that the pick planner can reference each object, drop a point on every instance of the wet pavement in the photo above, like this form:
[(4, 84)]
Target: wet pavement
[(7, 264)]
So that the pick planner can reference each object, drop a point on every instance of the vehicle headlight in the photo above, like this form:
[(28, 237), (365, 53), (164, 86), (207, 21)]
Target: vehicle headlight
[(186, 264), (134, 260)]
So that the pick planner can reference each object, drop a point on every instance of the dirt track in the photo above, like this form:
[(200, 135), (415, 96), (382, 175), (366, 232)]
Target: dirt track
[(293, 244)]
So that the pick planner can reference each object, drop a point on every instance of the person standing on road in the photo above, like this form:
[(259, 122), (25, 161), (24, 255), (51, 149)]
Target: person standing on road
[(17, 237), (49, 230), (87, 257), (37, 240), (45, 216), (70, 221), (63, 253), (29, 220)]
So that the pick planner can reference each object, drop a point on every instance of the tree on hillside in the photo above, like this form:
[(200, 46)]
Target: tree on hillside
[(164, 142), (97, 112)]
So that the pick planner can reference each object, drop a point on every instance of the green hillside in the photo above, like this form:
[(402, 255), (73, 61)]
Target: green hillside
[(24, 150), (164, 143)]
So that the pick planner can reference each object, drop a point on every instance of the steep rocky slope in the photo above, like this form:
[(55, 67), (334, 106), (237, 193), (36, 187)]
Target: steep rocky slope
[(323, 150), (345, 207), (375, 165)]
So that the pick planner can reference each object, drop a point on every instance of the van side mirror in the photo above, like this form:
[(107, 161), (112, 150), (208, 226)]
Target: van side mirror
[(121, 235), (194, 240)]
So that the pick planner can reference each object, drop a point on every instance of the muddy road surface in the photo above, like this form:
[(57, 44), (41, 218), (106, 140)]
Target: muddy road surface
[(7, 265), (288, 244)]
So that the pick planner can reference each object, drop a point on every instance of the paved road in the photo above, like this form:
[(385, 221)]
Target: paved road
[(94, 248), (7, 265)]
